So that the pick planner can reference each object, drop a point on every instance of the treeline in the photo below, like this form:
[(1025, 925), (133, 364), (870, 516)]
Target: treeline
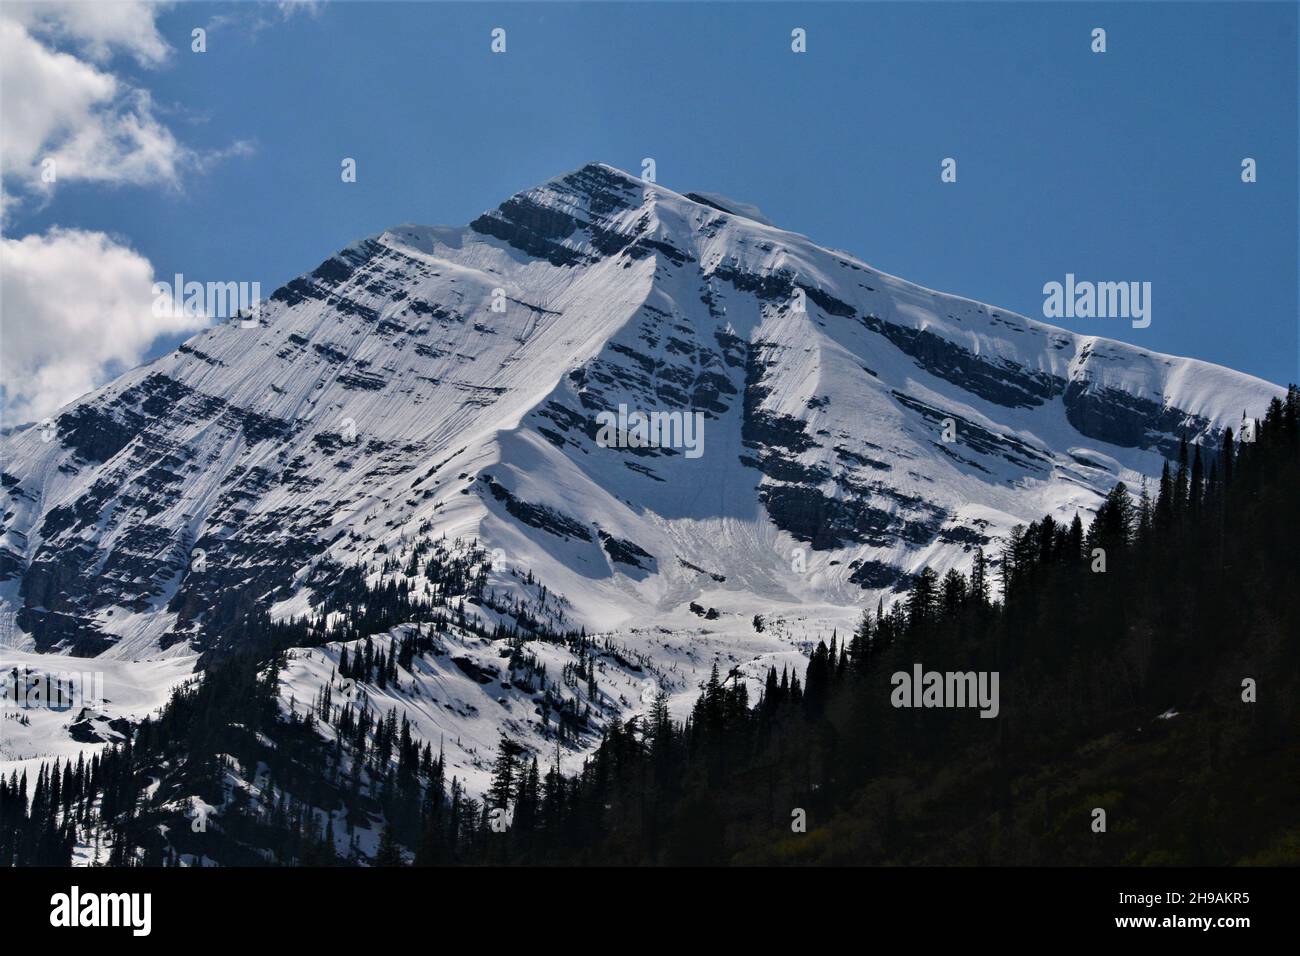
[(177, 763), (42, 832), (283, 791), (438, 583), (1148, 667)]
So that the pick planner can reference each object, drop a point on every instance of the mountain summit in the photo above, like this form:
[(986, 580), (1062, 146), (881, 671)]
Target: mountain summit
[(454, 380)]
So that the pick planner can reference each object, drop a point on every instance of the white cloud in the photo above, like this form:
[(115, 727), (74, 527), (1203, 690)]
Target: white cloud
[(253, 18), (90, 124), (96, 29), (77, 305), (77, 309), (70, 109)]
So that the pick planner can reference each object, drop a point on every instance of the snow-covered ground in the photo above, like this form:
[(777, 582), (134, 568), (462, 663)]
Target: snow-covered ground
[(102, 691), (438, 380)]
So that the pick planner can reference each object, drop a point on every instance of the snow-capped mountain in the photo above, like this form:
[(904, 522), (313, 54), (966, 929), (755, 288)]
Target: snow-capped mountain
[(382, 392)]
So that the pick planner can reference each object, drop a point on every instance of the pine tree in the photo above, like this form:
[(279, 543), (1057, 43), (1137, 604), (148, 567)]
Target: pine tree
[(979, 583), (859, 647), (1164, 514), (1196, 490), (1011, 555), (953, 593), (1180, 481), (922, 601), (1145, 513), (1075, 537), (389, 853), (817, 679), (1227, 455), (503, 774)]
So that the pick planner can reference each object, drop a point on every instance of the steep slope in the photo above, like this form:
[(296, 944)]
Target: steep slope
[(383, 393)]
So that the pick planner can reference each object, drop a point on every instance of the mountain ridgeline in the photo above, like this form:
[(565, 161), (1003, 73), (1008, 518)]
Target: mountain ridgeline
[(454, 377), (1148, 666)]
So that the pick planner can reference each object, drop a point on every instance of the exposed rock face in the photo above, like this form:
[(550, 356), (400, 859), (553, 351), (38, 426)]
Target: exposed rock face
[(449, 380)]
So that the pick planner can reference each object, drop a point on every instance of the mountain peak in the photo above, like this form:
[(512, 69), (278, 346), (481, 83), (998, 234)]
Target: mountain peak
[(453, 378), (606, 206), (597, 188), (732, 206)]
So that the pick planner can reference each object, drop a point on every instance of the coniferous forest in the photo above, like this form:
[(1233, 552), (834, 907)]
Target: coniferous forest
[(1149, 667)]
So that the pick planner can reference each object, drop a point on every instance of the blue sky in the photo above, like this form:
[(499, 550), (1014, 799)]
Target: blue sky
[(1116, 166)]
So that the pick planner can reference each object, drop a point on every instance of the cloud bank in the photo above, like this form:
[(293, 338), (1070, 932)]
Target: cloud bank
[(77, 310)]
